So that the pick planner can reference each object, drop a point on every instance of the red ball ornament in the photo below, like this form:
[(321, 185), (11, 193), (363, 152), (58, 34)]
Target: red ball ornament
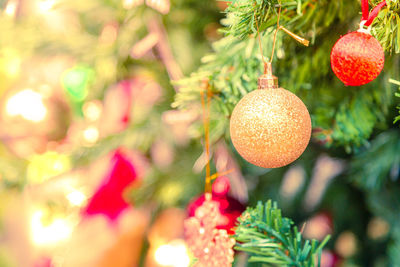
[(357, 58)]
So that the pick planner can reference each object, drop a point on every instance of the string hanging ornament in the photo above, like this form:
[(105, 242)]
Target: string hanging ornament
[(270, 127), (210, 246), (357, 58)]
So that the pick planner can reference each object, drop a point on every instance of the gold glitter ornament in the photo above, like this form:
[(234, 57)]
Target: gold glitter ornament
[(270, 127)]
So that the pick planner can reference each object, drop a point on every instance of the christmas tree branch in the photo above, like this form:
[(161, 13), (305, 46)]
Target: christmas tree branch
[(385, 205), (398, 95), (386, 26), (270, 238), (234, 66), (372, 168), (300, 16)]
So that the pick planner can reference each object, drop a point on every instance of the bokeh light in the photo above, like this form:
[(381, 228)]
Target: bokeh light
[(75, 81), (76, 198), (91, 134), (49, 233), (173, 254), (42, 167), (28, 104)]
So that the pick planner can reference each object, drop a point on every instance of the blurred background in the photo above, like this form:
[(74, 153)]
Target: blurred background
[(97, 168)]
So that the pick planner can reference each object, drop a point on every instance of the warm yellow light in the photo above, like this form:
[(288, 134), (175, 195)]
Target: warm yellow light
[(92, 110), (131, 3), (10, 62), (11, 8), (109, 34), (44, 166), (91, 134), (45, 5), (76, 198), (28, 104), (58, 230), (161, 6), (173, 254)]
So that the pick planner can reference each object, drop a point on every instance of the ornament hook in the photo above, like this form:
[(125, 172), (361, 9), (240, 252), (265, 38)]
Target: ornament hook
[(363, 29), (268, 80)]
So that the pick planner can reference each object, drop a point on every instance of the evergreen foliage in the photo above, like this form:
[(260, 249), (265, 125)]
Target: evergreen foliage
[(270, 238), (353, 124), (232, 69)]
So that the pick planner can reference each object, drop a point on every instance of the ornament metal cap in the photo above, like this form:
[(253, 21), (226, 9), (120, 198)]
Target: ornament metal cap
[(267, 80), (363, 29)]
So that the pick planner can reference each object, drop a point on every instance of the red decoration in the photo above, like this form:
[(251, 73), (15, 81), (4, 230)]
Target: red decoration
[(108, 198), (221, 186), (366, 15), (127, 89), (126, 97), (357, 58), (330, 259), (211, 247), (43, 262), (229, 208)]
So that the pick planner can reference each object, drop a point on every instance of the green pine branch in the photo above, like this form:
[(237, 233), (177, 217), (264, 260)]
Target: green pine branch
[(386, 26), (303, 16), (270, 238), (385, 204), (371, 168), (235, 64), (394, 253), (396, 119), (352, 130)]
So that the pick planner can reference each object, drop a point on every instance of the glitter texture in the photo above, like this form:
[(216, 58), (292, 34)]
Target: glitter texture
[(357, 58), (270, 128), (212, 247)]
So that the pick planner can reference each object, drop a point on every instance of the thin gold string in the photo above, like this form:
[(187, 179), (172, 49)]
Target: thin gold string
[(276, 32), (278, 27), (259, 38), (205, 103)]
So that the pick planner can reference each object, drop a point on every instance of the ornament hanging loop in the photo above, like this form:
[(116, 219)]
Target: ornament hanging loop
[(363, 29)]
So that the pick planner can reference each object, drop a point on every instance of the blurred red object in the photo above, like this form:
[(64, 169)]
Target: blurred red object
[(43, 262), (108, 198), (221, 186), (330, 259), (319, 226), (223, 4), (129, 97), (230, 208)]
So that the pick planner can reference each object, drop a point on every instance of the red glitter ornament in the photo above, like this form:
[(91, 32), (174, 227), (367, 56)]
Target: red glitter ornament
[(357, 58)]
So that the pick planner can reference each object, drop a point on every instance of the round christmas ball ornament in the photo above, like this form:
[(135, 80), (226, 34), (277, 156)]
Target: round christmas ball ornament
[(357, 58), (270, 127)]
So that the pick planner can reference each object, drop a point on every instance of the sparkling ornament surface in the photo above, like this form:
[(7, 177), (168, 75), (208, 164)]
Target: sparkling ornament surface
[(270, 128), (357, 58), (210, 246)]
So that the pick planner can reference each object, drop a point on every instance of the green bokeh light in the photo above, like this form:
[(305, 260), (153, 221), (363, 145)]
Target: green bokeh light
[(76, 82)]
